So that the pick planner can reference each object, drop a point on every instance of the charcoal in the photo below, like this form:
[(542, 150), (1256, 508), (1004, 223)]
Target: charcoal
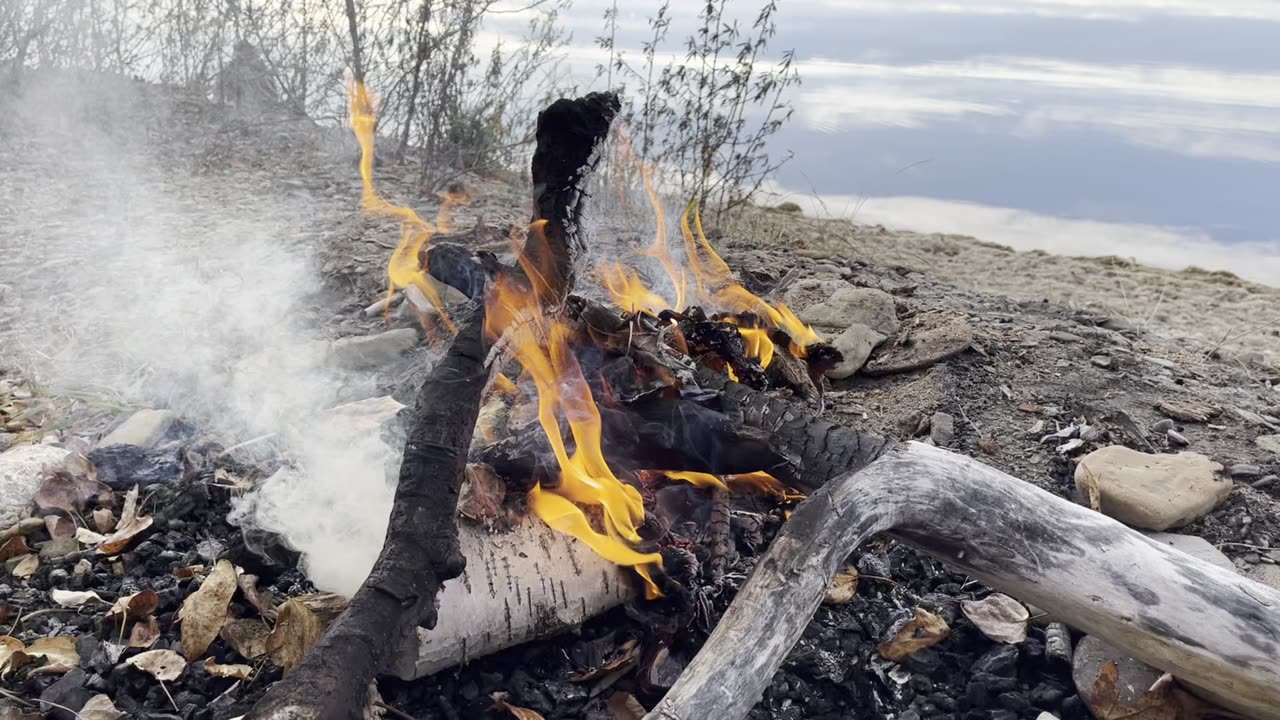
[(121, 467)]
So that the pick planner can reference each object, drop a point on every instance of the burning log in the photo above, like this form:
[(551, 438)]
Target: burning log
[(1214, 630)]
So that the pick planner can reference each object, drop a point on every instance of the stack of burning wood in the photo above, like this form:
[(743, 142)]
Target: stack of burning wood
[(656, 394)]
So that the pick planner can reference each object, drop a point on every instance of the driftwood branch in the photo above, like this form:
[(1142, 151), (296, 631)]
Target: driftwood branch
[(1213, 629)]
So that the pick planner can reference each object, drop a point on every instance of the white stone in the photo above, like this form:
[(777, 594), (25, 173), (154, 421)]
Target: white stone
[(143, 429), (851, 305), (1153, 492), (21, 471), (1194, 546), (367, 352), (855, 344)]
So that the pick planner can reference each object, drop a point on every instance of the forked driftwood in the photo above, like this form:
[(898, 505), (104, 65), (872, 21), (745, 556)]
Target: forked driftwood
[(1213, 629)]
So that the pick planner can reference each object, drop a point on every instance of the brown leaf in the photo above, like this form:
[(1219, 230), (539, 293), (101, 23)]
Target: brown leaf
[(1031, 408), (60, 526), (987, 445), (163, 665), (27, 566), (239, 672), (500, 703), (297, 629), (134, 607), (120, 539), (103, 520), (15, 546), (842, 588), (624, 706), (999, 617), (145, 633), (59, 653), (67, 492), (624, 654), (190, 571), (326, 606), (923, 630), (482, 494), (204, 612), (100, 707), (259, 599), (9, 647), (246, 637)]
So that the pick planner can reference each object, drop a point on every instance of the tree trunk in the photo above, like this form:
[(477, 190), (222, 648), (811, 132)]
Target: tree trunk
[(353, 28)]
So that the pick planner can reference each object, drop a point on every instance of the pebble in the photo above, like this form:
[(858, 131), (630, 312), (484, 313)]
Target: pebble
[(855, 344), (1062, 336), (1162, 426), (1102, 361), (1245, 472), (1092, 654), (942, 429), (1154, 492), (1265, 481), (144, 429), (1177, 438)]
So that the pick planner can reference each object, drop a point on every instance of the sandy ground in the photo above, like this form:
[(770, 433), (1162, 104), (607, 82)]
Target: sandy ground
[(1216, 310)]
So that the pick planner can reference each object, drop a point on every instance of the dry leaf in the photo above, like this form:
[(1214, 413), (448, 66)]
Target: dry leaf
[(145, 633), (259, 599), (134, 607), (842, 588), (163, 665), (13, 713), (246, 637), (222, 478), (27, 566), (100, 707), (326, 606), (999, 617), (120, 539), (500, 703), (68, 493), (73, 598), (129, 510), (60, 526), (9, 647), (239, 672), (624, 654), (14, 547), (624, 706), (923, 630), (59, 653), (988, 445), (297, 629), (103, 520), (190, 571), (204, 612), (85, 536), (1160, 703), (480, 497)]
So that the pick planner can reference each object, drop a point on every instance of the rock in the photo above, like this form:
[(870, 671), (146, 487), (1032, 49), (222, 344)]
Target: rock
[(1162, 426), (1268, 575), (923, 348), (58, 547), (1154, 492), (1188, 410), (22, 470), (1265, 481), (1177, 438), (855, 344), (122, 466), (144, 429), (942, 429), (367, 352), (364, 416), (7, 440), (1270, 443), (1245, 472), (1102, 361), (809, 291), (64, 698), (1196, 547), (1092, 654), (851, 305), (1066, 337)]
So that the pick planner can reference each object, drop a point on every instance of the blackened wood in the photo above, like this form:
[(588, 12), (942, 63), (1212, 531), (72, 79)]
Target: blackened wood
[(420, 551), (1212, 628)]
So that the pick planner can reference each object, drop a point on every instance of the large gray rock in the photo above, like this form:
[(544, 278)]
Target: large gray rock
[(855, 344), (144, 429), (1153, 492), (367, 352), (850, 305), (1196, 547), (21, 471), (807, 291), (1092, 654)]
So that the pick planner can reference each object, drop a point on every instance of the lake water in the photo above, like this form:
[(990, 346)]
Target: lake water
[(1146, 128)]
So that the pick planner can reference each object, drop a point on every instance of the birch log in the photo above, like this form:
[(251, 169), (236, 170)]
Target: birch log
[(1213, 629)]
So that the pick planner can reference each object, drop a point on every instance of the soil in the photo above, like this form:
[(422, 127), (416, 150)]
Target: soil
[(1033, 361)]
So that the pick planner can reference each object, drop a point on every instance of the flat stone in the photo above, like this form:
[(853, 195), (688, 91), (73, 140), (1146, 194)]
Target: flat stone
[(22, 470), (855, 344), (144, 429), (942, 429), (1268, 575), (807, 291), (1245, 472), (367, 352), (1102, 361), (1270, 443), (922, 348), (1092, 654), (121, 466), (1154, 492), (1194, 546), (851, 305), (1066, 337)]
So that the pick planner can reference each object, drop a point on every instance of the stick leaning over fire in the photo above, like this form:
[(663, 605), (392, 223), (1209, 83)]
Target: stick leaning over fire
[(421, 549), (1214, 630)]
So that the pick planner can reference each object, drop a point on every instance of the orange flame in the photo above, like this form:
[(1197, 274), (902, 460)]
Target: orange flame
[(760, 481), (404, 268)]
